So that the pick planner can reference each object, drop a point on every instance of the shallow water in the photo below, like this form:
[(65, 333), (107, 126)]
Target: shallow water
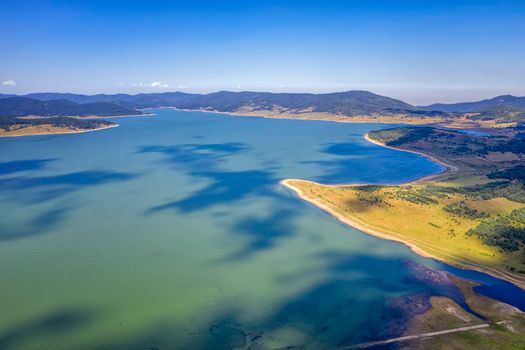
[(173, 232)]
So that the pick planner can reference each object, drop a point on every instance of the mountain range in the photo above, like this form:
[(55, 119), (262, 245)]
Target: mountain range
[(23, 106), (349, 103)]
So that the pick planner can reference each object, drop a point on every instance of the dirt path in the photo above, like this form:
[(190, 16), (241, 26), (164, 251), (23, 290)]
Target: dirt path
[(417, 336)]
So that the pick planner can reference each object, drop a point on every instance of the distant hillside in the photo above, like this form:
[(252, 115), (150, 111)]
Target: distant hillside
[(12, 123), (349, 103), (503, 112), (22, 106), (480, 106), (165, 99), (342, 103)]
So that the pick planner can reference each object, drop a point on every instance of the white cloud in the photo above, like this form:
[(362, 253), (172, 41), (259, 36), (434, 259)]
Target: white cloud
[(9, 83), (155, 84), (181, 87), (159, 84)]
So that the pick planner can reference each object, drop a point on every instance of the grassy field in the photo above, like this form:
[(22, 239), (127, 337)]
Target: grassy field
[(414, 215)]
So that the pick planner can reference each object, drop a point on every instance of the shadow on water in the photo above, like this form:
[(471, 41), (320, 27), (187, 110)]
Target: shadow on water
[(262, 232), (265, 229), (53, 324), (340, 148), (33, 190), (43, 188), (204, 161), (341, 168), (225, 187), (80, 178), (195, 155), (7, 168), (42, 223)]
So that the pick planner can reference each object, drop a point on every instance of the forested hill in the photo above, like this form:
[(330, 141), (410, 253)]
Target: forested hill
[(342, 103), (349, 103), (500, 102), (22, 106)]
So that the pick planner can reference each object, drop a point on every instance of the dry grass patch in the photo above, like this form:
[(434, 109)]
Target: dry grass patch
[(436, 223)]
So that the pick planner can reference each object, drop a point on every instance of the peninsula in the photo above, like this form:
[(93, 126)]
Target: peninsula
[(23, 116), (472, 215), (13, 127)]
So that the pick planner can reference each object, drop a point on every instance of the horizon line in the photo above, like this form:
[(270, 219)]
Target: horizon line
[(251, 91)]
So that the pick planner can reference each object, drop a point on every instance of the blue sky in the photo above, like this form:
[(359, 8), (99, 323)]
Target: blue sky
[(421, 51)]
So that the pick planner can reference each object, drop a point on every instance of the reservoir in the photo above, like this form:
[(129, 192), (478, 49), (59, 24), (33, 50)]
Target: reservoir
[(173, 232)]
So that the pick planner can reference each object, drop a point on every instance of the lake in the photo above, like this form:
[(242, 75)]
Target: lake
[(173, 232)]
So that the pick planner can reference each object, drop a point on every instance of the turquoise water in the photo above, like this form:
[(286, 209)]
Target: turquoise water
[(172, 232)]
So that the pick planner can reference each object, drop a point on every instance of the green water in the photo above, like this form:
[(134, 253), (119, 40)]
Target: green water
[(172, 232)]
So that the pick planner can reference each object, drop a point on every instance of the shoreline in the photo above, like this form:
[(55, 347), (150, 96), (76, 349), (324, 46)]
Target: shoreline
[(63, 132), (363, 119), (348, 221), (414, 246), (79, 131), (323, 117), (449, 168), (359, 119), (116, 116)]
